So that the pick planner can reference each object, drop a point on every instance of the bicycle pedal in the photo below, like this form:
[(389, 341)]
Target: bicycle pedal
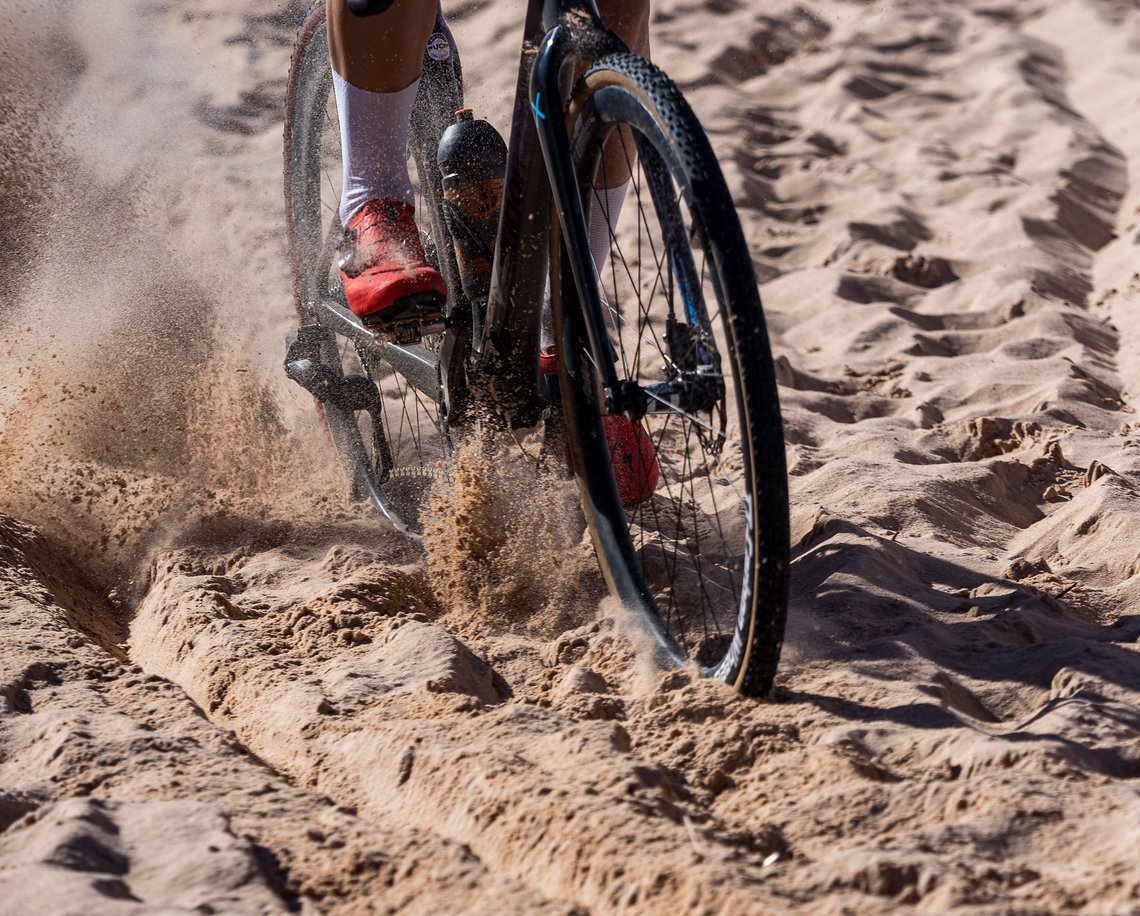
[(409, 320), (403, 333)]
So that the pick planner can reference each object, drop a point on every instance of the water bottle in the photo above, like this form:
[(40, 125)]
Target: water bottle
[(472, 159)]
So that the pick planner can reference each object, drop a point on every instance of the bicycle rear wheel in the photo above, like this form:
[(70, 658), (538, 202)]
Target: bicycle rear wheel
[(705, 556), (386, 424)]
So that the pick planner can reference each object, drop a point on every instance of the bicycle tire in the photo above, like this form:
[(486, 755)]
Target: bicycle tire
[(722, 603), (414, 429)]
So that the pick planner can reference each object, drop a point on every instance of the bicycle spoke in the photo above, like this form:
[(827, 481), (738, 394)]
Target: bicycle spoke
[(685, 531)]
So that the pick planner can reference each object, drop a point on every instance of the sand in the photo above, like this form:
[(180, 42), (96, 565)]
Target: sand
[(224, 690)]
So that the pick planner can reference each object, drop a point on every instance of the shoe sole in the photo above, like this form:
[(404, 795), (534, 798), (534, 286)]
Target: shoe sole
[(422, 308)]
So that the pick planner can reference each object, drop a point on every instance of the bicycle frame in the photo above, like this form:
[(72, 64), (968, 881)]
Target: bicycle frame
[(557, 33), (500, 361), (484, 355)]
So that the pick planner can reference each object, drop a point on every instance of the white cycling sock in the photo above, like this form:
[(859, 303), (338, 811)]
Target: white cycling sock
[(607, 202), (373, 141)]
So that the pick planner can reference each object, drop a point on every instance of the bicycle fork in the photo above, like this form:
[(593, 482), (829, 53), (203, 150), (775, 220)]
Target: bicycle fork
[(696, 383), (545, 84)]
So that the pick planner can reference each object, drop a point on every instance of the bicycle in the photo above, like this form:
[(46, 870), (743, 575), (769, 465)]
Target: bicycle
[(672, 337)]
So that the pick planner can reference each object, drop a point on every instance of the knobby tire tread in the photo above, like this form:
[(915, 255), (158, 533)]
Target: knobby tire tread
[(762, 632)]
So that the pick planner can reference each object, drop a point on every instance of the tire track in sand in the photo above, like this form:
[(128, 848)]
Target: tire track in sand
[(356, 693), (114, 787)]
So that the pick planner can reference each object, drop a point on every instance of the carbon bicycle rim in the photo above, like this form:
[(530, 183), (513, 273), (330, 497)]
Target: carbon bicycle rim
[(705, 556), (395, 470)]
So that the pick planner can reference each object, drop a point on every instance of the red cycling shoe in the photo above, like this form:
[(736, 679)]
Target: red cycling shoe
[(387, 280), (547, 361), (633, 459), (632, 456)]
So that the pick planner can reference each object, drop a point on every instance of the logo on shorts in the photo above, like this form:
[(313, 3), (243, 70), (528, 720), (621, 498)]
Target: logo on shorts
[(439, 48)]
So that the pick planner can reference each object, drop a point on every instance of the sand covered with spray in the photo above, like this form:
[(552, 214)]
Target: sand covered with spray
[(222, 690)]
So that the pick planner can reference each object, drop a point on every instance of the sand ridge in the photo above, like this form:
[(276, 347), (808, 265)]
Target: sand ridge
[(222, 690)]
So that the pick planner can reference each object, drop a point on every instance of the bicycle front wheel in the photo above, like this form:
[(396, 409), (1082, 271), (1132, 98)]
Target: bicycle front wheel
[(704, 555)]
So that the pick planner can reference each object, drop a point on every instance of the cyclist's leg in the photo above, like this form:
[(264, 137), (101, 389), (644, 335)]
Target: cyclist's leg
[(376, 69), (632, 455), (377, 62), (382, 53), (630, 20)]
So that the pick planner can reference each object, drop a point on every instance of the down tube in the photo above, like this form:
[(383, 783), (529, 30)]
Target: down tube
[(509, 352)]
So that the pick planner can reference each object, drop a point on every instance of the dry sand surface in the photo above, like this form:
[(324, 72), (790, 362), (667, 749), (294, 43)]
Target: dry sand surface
[(222, 691)]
